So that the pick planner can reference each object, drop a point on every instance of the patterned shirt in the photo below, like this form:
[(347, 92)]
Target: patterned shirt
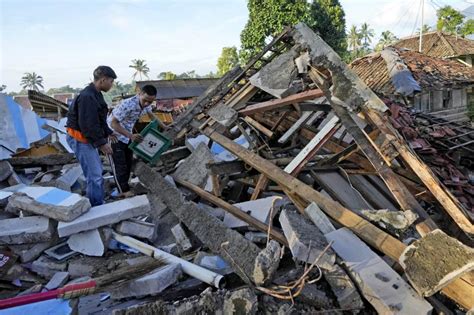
[(127, 113)]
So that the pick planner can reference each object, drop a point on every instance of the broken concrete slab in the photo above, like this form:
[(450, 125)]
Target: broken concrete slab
[(46, 267), (25, 230), (151, 284), (434, 261), (137, 228), (194, 168), (306, 242), (106, 214), (243, 301), (29, 252), (381, 285), (319, 218), (5, 170), (181, 238), (50, 202), (276, 78), (259, 209), (225, 242), (58, 280), (223, 114), (70, 175), (391, 220), (343, 288), (90, 243)]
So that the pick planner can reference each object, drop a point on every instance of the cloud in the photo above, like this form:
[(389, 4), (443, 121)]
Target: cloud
[(40, 28), (117, 17)]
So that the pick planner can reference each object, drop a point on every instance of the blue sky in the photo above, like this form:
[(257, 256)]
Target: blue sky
[(63, 40)]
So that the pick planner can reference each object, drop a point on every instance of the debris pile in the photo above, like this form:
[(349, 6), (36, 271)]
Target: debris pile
[(290, 188)]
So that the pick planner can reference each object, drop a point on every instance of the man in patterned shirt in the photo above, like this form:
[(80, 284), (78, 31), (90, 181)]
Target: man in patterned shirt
[(121, 120)]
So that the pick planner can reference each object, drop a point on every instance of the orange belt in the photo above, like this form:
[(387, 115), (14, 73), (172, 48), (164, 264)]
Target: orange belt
[(76, 134)]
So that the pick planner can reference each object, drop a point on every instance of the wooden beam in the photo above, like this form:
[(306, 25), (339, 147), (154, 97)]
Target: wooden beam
[(262, 183), (459, 290), (238, 213), (296, 126), (267, 132), (274, 104)]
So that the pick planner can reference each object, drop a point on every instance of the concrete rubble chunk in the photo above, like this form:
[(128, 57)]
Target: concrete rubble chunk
[(106, 214), (58, 280), (266, 263), (381, 285), (319, 218), (222, 241), (223, 114), (194, 168), (50, 202), (181, 238), (438, 255), (46, 267), (5, 170), (393, 220), (305, 240), (25, 230), (30, 252), (151, 284), (243, 301), (137, 228), (313, 296), (70, 176), (90, 243), (343, 288), (259, 209)]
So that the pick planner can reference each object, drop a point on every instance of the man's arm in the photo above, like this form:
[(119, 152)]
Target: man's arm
[(115, 124)]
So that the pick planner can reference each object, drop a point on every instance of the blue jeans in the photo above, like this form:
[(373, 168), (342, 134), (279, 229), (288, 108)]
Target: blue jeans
[(91, 166)]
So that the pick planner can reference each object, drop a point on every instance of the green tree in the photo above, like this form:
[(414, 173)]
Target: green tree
[(168, 75), (269, 17), (140, 68), (386, 39), (328, 19), (354, 39), (449, 20), (227, 60), (426, 28), (63, 89), (32, 81), (366, 34), (467, 28)]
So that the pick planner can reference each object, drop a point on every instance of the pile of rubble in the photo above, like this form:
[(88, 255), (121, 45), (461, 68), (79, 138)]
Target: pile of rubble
[(288, 189)]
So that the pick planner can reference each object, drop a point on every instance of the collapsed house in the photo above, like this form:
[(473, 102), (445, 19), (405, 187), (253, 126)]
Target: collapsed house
[(291, 186)]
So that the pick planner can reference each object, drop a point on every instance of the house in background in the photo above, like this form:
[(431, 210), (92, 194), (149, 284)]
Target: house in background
[(441, 45), (175, 95), (428, 84)]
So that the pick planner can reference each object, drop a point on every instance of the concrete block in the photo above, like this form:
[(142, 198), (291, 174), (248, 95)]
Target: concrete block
[(46, 267), (343, 288), (434, 261), (106, 214), (151, 284), (259, 209), (137, 228), (70, 175), (266, 263), (381, 285), (194, 168), (319, 218), (53, 203), (25, 230), (243, 301), (223, 114), (305, 240), (181, 238), (90, 243), (30, 252), (58, 280)]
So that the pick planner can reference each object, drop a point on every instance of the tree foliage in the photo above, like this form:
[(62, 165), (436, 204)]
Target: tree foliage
[(141, 69), (227, 60), (386, 38), (366, 35), (32, 81), (452, 21), (63, 89), (269, 17)]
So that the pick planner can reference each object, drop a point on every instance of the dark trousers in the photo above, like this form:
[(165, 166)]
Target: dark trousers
[(123, 157)]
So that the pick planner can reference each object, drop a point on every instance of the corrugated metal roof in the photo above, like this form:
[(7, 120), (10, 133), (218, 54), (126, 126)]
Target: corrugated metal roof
[(437, 44), (180, 88)]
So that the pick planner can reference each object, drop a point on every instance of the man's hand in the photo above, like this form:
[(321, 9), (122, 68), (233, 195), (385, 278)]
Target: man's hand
[(106, 149), (136, 137), (113, 139)]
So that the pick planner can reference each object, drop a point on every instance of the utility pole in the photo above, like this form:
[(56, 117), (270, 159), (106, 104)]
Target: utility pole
[(422, 23)]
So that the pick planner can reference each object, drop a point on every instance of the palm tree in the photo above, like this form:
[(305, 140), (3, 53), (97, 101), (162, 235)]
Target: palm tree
[(366, 34), (386, 38), (353, 38), (32, 81), (140, 68), (425, 29)]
